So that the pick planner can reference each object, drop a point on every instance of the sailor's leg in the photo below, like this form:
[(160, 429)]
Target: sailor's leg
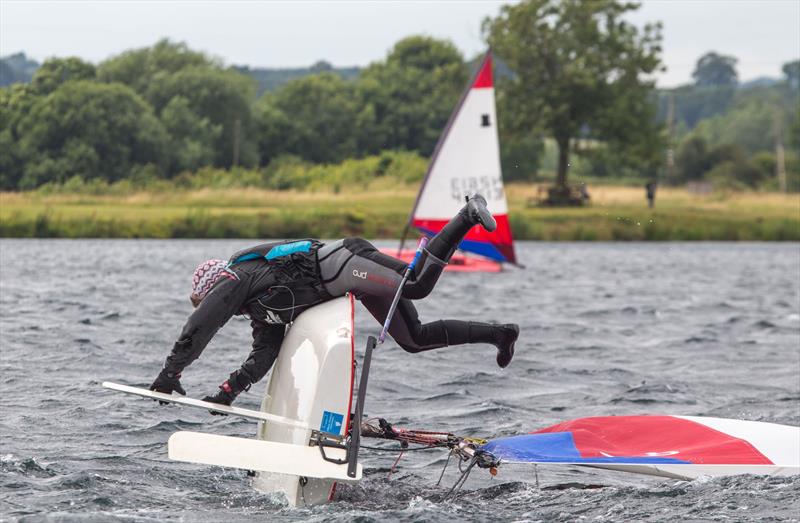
[(444, 244), (355, 265), (414, 336)]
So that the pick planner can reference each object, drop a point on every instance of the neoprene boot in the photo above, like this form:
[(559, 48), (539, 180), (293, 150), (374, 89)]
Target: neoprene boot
[(474, 212), (479, 213), (501, 336), (506, 336)]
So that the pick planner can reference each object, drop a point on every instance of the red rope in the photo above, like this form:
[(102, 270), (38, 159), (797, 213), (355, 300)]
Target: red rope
[(422, 437), (393, 469)]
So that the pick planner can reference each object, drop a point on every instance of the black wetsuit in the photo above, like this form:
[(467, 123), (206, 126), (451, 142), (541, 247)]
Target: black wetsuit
[(273, 292)]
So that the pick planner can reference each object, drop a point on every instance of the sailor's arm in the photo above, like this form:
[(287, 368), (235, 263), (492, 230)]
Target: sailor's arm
[(211, 314), (267, 339)]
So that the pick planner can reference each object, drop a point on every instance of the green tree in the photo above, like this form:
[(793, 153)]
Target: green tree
[(692, 160), (91, 130), (16, 68), (792, 72), (521, 149), (222, 97), (694, 103), (405, 102), (732, 168), (726, 165), (192, 137), (56, 71), (15, 102), (749, 124), (576, 65), (312, 117), (715, 69), (794, 131), (140, 67)]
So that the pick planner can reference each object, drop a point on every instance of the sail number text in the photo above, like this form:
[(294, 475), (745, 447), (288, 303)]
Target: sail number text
[(490, 187)]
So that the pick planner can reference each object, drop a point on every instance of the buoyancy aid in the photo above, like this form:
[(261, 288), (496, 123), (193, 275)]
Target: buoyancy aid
[(297, 286)]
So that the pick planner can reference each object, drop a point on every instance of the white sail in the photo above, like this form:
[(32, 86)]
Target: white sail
[(467, 160)]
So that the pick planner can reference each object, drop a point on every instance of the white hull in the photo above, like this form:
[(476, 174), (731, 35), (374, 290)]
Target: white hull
[(312, 382)]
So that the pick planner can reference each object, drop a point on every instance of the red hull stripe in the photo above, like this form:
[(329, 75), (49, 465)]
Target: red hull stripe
[(484, 78), (501, 238), (658, 436), (458, 263)]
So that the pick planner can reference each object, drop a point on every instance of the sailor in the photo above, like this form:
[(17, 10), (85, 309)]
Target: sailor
[(650, 189), (273, 283)]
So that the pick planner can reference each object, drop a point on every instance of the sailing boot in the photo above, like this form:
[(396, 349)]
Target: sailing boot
[(474, 212), (506, 336), (479, 214), (501, 336)]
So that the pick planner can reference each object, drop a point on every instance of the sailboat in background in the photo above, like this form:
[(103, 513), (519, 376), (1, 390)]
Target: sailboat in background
[(466, 160)]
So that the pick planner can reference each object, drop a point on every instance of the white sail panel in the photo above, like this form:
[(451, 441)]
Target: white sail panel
[(468, 161)]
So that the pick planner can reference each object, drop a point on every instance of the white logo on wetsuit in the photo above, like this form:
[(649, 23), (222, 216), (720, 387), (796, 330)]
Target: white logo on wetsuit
[(362, 275)]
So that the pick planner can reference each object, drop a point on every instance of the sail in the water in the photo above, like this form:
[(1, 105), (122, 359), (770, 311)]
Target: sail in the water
[(673, 446), (467, 160)]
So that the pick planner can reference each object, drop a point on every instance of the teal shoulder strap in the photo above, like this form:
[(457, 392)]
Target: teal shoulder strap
[(277, 251), (287, 249)]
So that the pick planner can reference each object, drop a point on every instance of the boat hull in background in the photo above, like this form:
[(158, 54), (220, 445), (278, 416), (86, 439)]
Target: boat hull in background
[(458, 263)]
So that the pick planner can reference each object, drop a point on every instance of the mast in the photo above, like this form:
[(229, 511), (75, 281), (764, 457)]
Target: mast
[(440, 143)]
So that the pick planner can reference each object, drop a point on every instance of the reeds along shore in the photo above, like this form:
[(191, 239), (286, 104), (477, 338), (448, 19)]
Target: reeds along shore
[(615, 213)]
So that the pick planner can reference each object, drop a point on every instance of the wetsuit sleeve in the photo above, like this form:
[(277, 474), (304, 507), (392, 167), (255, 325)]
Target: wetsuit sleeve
[(224, 300), (267, 339)]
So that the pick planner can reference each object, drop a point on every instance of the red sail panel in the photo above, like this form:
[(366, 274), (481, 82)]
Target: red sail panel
[(484, 78), (657, 436), (497, 245)]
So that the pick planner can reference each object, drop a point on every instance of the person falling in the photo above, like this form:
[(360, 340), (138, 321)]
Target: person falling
[(273, 283)]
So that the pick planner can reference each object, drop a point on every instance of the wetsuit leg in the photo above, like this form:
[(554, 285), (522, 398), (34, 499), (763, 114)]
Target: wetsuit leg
[(355, 265), (445, 243), (414, 336)]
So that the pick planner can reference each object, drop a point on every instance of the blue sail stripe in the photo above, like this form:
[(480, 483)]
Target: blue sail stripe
[(558, 447), (485, 249)]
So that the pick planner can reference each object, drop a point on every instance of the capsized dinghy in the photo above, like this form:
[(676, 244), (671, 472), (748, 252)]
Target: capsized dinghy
[(310, 427), (466, 160), (682, 447), (307, 440)]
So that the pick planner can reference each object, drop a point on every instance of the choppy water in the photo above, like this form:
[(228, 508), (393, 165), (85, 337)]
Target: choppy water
[(694, 329)]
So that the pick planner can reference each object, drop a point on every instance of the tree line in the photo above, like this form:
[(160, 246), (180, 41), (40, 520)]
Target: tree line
[(167, 109), (727, 133), (574, 73)]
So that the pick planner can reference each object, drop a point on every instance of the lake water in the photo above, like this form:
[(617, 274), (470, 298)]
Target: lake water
[(607, 329)]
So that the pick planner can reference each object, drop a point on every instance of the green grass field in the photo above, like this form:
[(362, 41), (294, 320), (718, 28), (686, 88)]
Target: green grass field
[(616, 213)]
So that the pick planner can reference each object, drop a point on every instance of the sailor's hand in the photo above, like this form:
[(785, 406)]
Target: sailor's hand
[(224, 396), (167, 382)]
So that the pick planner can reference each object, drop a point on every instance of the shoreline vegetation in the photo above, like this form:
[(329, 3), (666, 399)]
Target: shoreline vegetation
[(379, 209)]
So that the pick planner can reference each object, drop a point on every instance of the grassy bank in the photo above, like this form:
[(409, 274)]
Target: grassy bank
[(616, 213)]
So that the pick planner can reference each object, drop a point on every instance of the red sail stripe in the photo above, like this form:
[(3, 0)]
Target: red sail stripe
[(484, 78), (501, 238), (667, 436)]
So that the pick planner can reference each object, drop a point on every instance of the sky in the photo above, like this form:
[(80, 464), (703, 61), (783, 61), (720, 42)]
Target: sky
[(762, 34)]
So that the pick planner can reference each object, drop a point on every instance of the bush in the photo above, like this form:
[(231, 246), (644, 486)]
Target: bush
[(734, 175)]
